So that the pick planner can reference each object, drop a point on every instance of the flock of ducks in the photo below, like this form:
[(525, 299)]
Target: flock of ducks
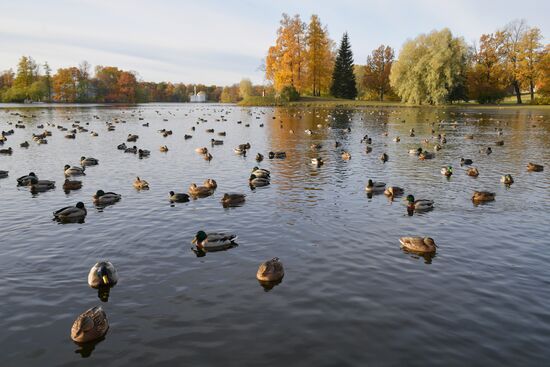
[(93, 323)]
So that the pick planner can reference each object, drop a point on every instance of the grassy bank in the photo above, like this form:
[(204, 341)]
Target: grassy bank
[(322, 102)]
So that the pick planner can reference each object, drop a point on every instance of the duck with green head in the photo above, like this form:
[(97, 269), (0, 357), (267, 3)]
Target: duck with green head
[(447, 171), (420, 204), (105, 198), (214, 241)]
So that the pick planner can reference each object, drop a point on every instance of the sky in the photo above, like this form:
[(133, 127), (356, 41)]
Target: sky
[(220, 42)]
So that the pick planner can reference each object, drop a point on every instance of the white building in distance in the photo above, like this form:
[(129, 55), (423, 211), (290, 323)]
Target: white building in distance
[(197, 97)]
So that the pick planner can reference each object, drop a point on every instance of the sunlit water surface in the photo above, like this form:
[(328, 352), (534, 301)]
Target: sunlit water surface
[(350, 295)]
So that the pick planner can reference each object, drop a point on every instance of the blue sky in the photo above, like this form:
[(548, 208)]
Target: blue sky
[(220, 42)]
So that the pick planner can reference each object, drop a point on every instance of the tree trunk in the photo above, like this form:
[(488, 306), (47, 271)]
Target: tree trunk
[(518, 91), (381, 94), (532, 90)]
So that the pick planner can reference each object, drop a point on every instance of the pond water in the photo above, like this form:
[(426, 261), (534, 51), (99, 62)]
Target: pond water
[(350, 296)]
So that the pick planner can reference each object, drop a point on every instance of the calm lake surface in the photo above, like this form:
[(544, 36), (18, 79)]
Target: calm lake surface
[(350, 295)]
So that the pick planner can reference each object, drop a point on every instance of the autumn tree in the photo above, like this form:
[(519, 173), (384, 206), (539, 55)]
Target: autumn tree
[(230, 94), (543, 71), (343, 77), (285, 61), (488, 76), (512, 35), (245, 88), (377, 70), (65, 85), (84, 81), (429, 68), (531, 51), (319, 57)]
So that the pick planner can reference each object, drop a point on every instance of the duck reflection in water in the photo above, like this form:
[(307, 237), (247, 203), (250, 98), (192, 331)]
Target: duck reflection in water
[(103, 293), (427, 256), (85, 349), (267, 286)]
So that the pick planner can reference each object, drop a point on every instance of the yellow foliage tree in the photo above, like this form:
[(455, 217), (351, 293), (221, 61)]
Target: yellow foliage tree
[(319, 57), (529, 56), (285, 62)]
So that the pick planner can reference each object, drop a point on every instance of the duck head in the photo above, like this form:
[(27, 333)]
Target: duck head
[(103, 274), (199, 237), (99, 193)]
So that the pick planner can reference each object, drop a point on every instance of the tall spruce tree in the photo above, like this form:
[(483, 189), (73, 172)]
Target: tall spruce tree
[(343, 78)]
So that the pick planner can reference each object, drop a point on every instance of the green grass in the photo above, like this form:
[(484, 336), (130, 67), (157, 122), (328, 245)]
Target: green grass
[(329, 102)]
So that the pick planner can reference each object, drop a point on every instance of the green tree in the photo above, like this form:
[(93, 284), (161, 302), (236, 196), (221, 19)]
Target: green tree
[(429, 68), (343, 78), (47, 82), (245, 88)]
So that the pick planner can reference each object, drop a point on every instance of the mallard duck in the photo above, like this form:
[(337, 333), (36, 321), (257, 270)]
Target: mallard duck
[(105, 198), (346, 156), (259, 157), (178, 197), (483, 196), (260, 172), (487, 150), (195, 190), (89, 161), (202, 150), (213, 241), (415, 151), (270, 271), (535, 167), (102, 274), (425, 155), (240, 151), (374, 187), (187, 136), (163, 148), (69, 213), (72, 185), (466, 162), (216, 142), (27, 180), (317, 161), (230, 199), (420, 204), (447, 171), (256, 181), (472, 172), (4, 174), (211, 184), (8, 151), (42, 185), (397, 139), (418, 244), (90, 326), (141, 184), (132, 150), (437, 147), (143, 153), (384, 157), (278, 155), (393, 191), (315, 146), (24, 144), (132, 138), (499, 143), (73, 171), (121, 146), (507, 179), (207, 157)]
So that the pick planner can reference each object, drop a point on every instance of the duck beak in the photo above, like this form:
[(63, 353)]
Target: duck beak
[(194, 240), (105, 279)]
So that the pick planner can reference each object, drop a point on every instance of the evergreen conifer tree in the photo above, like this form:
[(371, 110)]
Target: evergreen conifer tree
[(343, 78)]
